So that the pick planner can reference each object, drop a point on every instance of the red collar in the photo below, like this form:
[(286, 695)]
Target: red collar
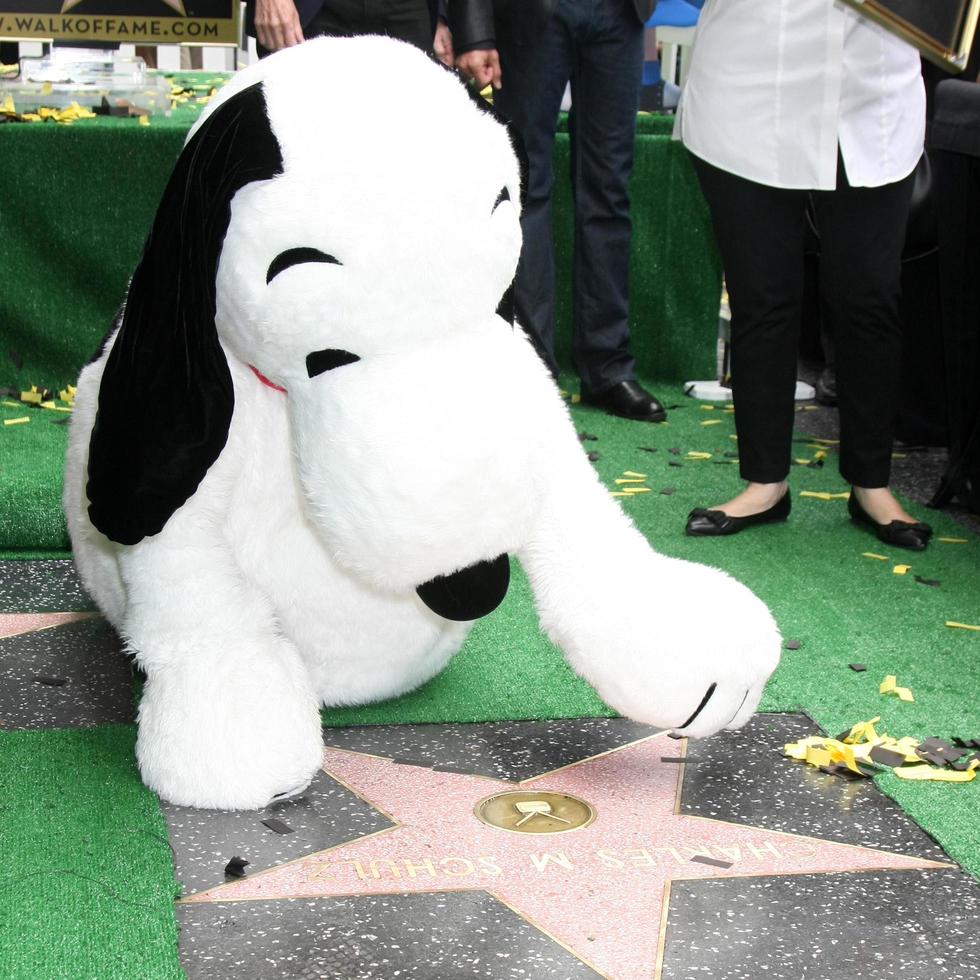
[(266, 381)]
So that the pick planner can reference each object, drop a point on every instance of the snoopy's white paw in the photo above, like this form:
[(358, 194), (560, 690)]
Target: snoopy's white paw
[(693, 658), (209, 740)]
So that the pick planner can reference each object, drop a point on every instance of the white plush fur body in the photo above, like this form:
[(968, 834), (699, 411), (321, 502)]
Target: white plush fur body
[(288, 579)]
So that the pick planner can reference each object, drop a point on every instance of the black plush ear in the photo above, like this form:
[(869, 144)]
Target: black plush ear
[(166, 399)]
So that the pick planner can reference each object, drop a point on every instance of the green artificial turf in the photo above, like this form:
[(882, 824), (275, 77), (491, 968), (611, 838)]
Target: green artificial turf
[(86, 880)]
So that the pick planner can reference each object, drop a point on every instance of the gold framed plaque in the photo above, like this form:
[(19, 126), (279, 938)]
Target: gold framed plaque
[(942, 30)]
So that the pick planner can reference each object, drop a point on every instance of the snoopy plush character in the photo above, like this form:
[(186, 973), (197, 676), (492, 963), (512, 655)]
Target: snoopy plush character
[(314, 435)]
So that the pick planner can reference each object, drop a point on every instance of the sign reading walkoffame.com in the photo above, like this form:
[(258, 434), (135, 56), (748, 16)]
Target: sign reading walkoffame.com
[(126, 21)]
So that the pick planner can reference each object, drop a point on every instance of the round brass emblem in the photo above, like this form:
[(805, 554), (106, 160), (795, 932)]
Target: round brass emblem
[(534, 812)]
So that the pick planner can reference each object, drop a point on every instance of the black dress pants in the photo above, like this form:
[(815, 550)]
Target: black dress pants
[(598, 46), (760, 235)]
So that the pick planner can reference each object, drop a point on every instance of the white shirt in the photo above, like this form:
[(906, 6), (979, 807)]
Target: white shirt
[(776, 85)]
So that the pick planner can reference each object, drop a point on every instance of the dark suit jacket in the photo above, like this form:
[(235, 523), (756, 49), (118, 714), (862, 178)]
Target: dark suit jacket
[(478, 23), (307, 10)]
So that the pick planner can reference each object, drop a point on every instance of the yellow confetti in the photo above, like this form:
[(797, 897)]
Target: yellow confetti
[(953, 540), (30, 397), (19, 421), (815, 494), (890, 686), (641, 476), (11, 404), (871, 554), (864, 731), (901, 569), (846, 495), (935, 775), (711, 422), (630, 479), (693, 455), (47, 405), (802, 462), (962, 626), (144, 120), (707, 408), (618, 493), (733, 437), (631, 490), (576, 398)]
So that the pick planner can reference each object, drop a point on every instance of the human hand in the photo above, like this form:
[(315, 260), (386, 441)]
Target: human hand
[(277, 24), (482, 66), (442, 44)]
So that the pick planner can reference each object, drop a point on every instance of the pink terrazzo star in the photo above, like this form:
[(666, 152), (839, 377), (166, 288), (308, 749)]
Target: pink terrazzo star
[(600, 891), (14, 624)]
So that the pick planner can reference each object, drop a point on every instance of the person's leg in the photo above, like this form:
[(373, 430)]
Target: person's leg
[(605, 96), (533, 80), (760, 233), (862, 231)]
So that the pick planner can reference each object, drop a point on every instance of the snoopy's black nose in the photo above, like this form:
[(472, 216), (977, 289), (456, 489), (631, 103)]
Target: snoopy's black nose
[(321, 361)]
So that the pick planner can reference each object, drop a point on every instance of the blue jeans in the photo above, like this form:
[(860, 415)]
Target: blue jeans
[(598, 46)]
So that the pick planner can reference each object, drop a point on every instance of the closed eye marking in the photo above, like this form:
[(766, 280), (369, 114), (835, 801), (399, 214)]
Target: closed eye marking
[(701, 706), (321, 361), (296, 256), (504, 195)]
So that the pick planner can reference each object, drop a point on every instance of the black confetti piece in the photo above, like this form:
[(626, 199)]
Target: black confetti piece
[(588, 437), (649, 449), (886, 757), (675, 463), (667, 491), (681, 760), (793, 644), (858, 668), (935, 758), (674, 450), (966, 763), (235, 868), (714, 862), (50, 681), (593, 457), (278, 826), (841, 771), (934, 582)]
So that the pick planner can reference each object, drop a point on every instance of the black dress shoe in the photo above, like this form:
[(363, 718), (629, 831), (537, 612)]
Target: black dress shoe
[(713, 523), (901, 534), (629, 400)]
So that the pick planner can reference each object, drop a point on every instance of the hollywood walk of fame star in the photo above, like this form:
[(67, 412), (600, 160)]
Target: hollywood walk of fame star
[(177, 5), (16, 624), (600, 890)]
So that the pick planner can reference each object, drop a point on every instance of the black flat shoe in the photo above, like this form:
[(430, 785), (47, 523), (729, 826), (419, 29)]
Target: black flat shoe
[(712, 523), (901, 534), (628, 400)]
